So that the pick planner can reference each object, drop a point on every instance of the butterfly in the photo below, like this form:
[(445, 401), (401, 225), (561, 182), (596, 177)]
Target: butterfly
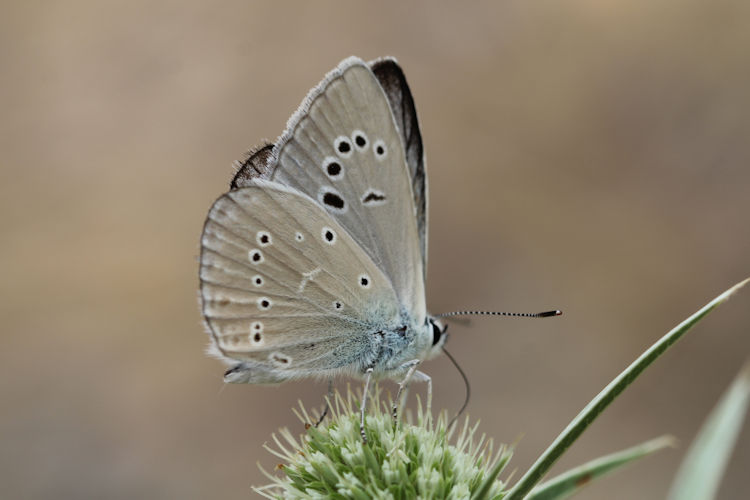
[(313, 264)]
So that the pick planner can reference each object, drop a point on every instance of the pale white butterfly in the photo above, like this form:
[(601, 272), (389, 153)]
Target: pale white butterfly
[(313, 264)]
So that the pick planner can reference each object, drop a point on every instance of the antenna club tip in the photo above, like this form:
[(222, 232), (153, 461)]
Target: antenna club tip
[(547, 314)]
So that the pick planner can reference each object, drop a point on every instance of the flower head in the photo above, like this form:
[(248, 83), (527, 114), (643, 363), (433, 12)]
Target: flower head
[(407, 460)]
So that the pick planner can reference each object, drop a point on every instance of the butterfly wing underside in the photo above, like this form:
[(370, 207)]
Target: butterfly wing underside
[(286, 292), (260, 163), (392, 80), (343, 149)]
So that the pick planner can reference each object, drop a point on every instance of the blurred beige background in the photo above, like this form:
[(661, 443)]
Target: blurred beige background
[(592, 156)]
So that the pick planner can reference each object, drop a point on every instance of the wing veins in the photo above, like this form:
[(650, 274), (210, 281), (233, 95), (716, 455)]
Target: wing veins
[(303, 253)]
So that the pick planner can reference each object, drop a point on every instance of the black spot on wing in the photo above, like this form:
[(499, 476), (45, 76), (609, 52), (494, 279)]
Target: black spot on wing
[(333, 169), (373, 197), (333, 200)]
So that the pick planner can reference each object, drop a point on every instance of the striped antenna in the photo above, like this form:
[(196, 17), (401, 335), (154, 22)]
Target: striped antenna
[(545, 314)]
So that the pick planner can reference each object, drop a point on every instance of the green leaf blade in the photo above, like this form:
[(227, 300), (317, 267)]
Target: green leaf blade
[(570, 482), (602, 400), (707, 458)]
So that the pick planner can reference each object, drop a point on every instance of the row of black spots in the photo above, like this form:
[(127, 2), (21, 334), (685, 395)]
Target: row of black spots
[(373, 197), (332, 200), (338, 305), (257, 280), (263, 238), (256, 329), (344, 145)]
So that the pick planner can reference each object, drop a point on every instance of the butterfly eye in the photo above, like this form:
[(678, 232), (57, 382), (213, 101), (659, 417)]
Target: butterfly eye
[(436, 334)]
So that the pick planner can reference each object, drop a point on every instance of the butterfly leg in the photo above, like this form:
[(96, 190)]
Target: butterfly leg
[(423, 377), (403, 387), (368, 374), (328, 403)]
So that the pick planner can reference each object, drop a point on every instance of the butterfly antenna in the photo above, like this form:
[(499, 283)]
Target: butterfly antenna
[(466, 384), (545, 314)]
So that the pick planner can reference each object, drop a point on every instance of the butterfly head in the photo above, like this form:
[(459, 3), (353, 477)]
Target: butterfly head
[(438, 330)]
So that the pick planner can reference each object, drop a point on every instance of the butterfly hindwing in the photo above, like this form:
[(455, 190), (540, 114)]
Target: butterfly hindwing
[(343, 149), (283, 285)]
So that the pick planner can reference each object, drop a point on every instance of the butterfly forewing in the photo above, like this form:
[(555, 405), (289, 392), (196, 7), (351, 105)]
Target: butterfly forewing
[(260, 163), (282, 282), (343, 149), (392, 80)]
